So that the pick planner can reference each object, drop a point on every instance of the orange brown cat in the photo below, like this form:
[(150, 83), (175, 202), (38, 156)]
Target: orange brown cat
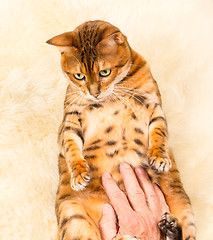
[(112, 114)]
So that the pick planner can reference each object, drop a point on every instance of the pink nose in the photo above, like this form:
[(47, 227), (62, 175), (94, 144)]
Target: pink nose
[(94, 89), (96, 94)]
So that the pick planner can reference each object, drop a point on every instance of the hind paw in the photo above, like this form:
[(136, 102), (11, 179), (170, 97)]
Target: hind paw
[(170, 227)]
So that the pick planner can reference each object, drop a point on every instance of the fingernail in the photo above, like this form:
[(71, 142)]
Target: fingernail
[(106, 208), (125, 165), (106, 175)]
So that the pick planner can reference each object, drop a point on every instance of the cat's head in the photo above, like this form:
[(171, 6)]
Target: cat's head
[(95, 57)]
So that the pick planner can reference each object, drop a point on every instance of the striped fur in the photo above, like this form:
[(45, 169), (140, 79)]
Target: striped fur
[(109, 120)]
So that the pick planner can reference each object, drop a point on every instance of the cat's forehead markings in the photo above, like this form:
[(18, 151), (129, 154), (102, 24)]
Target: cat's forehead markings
[(87, 41)]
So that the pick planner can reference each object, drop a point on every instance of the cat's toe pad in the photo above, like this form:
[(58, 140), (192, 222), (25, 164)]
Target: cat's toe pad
[(169, 226), (80, 176), (161, 164)]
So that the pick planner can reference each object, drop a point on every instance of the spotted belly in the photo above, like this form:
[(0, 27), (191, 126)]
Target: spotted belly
[(115, 134)]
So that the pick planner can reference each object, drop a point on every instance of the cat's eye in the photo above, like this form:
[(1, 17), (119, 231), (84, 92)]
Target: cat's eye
[(105, 73), (79, 76)]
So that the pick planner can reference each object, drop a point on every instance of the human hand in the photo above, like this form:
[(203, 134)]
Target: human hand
[(138, 213)]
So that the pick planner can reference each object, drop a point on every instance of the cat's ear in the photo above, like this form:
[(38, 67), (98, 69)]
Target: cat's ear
[(114, 38), (64, 41), (111, 43), (119, 38)]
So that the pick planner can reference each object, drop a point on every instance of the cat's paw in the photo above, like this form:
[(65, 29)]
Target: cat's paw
[(161, 163), (170, 227), (80, 175)]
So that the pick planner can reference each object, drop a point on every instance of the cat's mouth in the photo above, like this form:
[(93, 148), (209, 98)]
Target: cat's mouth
[(99, 98)]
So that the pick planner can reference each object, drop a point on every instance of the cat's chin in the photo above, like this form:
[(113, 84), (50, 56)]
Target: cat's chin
[(98, 99), (90, 98)]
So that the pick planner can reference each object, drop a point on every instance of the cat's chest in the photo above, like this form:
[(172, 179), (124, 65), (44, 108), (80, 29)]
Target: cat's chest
[(119, 128)]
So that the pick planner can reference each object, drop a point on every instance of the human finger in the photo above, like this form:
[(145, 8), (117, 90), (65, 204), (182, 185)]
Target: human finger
[(134, 192), (117, 198), (148, 188), (162, 202), (108, 223)]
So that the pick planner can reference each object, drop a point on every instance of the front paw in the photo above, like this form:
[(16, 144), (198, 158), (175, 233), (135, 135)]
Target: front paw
[(160, 162), (80, 175), (170, 227)]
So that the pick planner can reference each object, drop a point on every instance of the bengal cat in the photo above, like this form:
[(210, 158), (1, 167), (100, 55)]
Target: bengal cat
[(112, 114)]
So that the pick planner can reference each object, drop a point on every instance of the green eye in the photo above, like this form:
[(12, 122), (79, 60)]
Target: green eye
[(79, 76), (105, 73)]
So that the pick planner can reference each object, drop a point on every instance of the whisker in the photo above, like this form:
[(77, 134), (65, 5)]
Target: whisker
[(122, 100), (124, 92), (129, 94), (71, 93), (131, 90), (75, 108), (115, 100), (76, 59), (137, 65), (72, 102), (68, 99)]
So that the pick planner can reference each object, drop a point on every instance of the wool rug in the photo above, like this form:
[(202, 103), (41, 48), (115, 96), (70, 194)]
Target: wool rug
[(175, 37)]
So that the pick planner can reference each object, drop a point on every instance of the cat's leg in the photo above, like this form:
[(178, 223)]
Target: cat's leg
[(73, 219), (75, 223), (71, 142), (177, 200), (158, 141)]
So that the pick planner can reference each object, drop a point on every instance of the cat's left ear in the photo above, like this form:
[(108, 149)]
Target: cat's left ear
[(63, 41), (119, 38), (111, 43)]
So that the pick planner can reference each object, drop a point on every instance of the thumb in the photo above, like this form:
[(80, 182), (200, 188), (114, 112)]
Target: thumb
[(108, 223)]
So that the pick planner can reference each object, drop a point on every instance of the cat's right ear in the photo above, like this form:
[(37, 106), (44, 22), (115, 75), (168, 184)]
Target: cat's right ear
[(64, 41)]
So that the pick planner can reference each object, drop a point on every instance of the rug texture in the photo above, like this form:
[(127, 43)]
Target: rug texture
[(176, 39)]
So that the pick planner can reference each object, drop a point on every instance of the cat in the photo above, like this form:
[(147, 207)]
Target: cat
[(112, 114)]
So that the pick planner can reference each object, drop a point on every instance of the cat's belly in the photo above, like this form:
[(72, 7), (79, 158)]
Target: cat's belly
[(115, 135)]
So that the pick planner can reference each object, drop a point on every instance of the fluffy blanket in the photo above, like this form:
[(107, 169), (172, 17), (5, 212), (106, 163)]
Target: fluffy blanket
[(176, 39)]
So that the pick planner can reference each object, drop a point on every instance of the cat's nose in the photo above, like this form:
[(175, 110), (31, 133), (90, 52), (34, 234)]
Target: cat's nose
[(94, 89), (96, 94)]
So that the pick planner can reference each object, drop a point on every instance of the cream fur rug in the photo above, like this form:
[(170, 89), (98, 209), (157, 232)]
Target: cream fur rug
[(174, 36)]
